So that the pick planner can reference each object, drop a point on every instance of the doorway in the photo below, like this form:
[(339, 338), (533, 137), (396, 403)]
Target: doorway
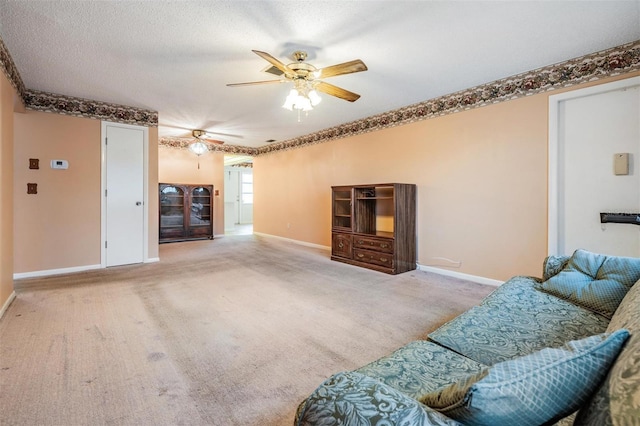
[(589, 129), (124, 194), (238, 200)]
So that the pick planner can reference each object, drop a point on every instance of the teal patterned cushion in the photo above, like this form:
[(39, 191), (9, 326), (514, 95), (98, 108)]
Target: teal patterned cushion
[(617, 401), (515, 320), (553, 265), (420, 367), (532, 390), (594, 281), (353, 399)]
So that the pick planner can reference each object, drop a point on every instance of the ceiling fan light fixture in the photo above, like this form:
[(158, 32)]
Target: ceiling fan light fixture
[(314, 98), (291, 100), (198, 147), (302, 98)]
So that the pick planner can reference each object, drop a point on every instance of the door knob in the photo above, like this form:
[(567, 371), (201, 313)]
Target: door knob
[(138, 203)]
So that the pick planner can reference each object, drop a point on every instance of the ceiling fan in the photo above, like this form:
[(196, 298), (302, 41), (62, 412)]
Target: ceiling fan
[(201, 135), (307, 78)]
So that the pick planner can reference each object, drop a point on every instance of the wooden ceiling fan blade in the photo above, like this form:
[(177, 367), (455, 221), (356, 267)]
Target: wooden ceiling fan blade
[(276, 63), (200, 134), (345, 68), (228, 135), (336, 91), (253, 83)]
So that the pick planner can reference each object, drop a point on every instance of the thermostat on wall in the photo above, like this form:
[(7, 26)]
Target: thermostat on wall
[(59, 164)]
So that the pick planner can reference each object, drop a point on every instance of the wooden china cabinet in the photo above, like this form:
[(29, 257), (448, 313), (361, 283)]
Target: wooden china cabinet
[(186, 212), (374, 226)]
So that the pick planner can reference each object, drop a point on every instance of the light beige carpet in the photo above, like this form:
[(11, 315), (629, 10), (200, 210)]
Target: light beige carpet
[(235, 331)]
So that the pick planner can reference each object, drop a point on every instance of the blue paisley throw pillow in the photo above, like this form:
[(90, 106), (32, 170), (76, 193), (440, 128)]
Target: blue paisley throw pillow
[(534, 389), (594, 281)]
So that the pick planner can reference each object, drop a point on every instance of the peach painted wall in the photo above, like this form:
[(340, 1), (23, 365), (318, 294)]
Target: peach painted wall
[(181, 166), (60, 226), (7, 94), (481, 177)]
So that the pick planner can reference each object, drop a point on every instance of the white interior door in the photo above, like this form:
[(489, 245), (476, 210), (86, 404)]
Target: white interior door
[(592, 127), (231, 199), (124, 195)]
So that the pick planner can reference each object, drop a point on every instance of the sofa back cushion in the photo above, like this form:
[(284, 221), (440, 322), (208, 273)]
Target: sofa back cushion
[(594, 281), (538, 388), (553, 264), (617, 401)]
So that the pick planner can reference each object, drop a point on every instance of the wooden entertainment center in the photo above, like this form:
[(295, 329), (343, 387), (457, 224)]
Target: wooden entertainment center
[(374, 226)]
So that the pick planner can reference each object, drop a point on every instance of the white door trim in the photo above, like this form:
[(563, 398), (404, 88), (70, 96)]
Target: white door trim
[(103, 186), (554, 102)]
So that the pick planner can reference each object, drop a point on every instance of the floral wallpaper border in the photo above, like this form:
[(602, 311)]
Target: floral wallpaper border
[(615, 61), (244, 165), (183, 143), (10, 70), (78, 107)]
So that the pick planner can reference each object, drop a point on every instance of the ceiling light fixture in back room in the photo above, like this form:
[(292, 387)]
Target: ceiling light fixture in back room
[(306, 80), (200, 147)]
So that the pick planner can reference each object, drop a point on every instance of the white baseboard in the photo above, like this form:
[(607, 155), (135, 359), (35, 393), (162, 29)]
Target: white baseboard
[(49, 272), (302, 243), (460, 275), (152, 260), (12, 296)]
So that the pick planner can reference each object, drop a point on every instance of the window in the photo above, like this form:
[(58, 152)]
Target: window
[(247, 188)]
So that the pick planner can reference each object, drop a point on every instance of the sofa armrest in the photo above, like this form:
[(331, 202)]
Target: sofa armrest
[(352, 398), (553, 265)]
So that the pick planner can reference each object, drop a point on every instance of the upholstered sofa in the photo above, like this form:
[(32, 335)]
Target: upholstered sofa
[(562, 348)]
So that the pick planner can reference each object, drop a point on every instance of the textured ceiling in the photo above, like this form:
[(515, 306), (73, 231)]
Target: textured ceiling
[(175, 57)]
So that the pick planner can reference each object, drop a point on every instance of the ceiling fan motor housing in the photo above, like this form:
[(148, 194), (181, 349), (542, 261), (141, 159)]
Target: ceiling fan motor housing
[(300, 55)]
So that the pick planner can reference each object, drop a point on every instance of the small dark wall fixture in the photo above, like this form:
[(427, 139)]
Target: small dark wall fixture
[(32, 188), (632, 218), (34, 163)]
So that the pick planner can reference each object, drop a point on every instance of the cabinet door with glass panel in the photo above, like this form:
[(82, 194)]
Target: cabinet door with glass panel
[(172, 201), (200, 211), (342, 214)]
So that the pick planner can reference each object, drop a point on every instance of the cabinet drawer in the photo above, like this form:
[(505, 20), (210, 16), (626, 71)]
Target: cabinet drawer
[(373, 257), (373, 244), (341, 245)]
